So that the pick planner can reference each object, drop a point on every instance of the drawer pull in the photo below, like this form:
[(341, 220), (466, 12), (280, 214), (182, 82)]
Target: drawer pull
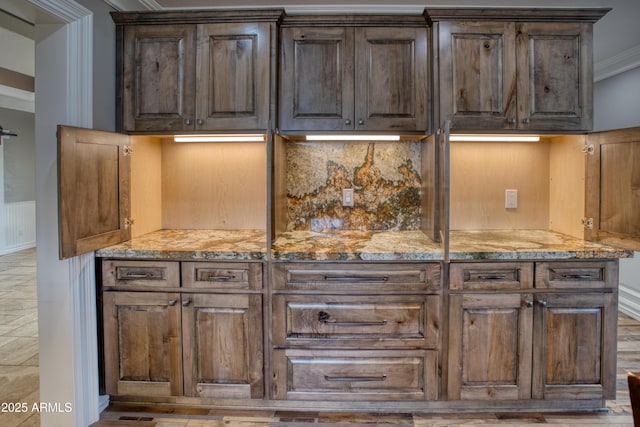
[(493, 277), (577, 276), (356, 278), (137, 276), (323, 317), (214, 278), (355, 379)]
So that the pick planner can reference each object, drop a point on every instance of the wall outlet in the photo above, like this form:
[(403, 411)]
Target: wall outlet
[(511, 199), (347, 197)]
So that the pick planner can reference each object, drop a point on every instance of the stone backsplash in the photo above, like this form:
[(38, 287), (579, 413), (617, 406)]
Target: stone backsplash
[(385, 178)]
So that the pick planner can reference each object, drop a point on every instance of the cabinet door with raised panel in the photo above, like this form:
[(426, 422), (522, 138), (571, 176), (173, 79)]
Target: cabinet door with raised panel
[(478, 75), (142, 342), (158, 79), (490, 346), (391, 79), (555, 76), (575, 346), (316, 79), (233, 70), (223, 356)]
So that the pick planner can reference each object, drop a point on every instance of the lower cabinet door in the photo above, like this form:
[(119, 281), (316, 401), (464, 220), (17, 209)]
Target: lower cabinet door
[(223, 356), (490, 346), (575, 346), (143, 348), (355, 375)]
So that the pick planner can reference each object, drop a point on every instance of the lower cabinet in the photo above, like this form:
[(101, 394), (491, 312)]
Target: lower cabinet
[(356, 331), (558, 343), (200, 344)]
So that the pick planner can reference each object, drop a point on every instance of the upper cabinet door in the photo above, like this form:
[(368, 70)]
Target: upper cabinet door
[(478, 75), (391, 79), (93, 190), (232, 89), (613, 188), (158, 80), (316, 79), (555, 76)]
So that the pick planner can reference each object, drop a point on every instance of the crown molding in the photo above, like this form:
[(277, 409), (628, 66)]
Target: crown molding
[(617, 64), (133, 5)]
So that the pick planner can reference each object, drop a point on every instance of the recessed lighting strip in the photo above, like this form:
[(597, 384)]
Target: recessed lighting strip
[(353, 137), (220, 138), (495, 138)]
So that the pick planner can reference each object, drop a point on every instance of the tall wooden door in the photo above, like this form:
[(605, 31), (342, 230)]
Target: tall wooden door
[(571, 336), (93, 190), (143, 348), (613, 180), (223, 351), (555, 80), (316, 79), (158, 82), (233, 76), (490, 346), (478, 75), (391, 79)]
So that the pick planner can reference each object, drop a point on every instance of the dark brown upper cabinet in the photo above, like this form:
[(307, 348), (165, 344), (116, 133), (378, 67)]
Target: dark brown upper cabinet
[(188, 72), (499, 72), (347, 78), (93, 190)]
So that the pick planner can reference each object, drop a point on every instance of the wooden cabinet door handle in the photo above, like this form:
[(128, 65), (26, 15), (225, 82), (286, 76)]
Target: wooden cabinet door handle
[(355, 379)]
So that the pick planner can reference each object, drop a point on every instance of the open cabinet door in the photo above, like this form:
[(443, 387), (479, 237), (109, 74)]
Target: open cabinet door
[(613, 188), (93, 190)]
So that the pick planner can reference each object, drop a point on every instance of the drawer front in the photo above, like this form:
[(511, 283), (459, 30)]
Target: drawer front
[(351, 321), (576, 274), (357, 276), (480, 276), (355, 375), (221, 275), (141, 274)]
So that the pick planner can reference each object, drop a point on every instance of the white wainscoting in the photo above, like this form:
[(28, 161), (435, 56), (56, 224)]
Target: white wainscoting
[(20, 226)]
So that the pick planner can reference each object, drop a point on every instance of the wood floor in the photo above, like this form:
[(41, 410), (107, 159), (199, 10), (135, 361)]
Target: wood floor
[(19, 380)]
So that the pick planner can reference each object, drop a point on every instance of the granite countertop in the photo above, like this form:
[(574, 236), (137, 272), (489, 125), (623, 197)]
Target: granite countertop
[(192, 244), (356, 245), (525, 244)]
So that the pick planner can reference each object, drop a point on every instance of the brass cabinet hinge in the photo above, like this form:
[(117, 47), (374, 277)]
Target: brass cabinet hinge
[(588, 223), (128, 222), (588, 149), (127, 150)]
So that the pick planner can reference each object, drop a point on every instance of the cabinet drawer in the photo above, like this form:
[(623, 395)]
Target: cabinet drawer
[(145, 274), (356, 276), (355, 375), (351, 321), (576, 274), (479, 276), (221, 275)]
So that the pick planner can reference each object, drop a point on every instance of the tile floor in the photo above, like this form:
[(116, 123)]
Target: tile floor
[(18, 339), (19, 380)]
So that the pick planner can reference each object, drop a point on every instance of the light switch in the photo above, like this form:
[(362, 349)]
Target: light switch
[(511, 199), (347, 197)]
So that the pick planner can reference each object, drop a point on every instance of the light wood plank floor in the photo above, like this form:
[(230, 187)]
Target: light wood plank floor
[(19, 380)]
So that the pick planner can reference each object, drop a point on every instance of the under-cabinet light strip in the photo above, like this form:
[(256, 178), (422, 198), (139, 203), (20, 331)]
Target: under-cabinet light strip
[(220, 138), (353, 138), (495, 138)]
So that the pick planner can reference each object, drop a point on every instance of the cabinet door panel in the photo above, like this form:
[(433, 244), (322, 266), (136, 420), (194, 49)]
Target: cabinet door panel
[(93, 190), (555, 76), (391, 76), (478, 75), (159, 78), (223, 345), (575, 341), (490, 346), (142, 343), (233, 76), (316, 79)]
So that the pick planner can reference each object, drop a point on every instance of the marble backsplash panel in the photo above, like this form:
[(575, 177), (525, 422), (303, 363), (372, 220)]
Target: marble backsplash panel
[(385, 178)]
